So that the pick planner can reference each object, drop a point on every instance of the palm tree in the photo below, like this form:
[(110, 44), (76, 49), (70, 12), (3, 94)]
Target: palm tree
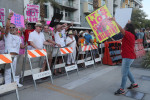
[(42, 7), (95, 4)]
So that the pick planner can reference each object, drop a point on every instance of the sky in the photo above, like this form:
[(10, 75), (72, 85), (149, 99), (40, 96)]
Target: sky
[(146, 7)]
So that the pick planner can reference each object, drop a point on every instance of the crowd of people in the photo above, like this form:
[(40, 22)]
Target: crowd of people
[(14, 40)]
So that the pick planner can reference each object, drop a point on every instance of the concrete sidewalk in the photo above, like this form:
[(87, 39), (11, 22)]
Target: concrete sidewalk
[(91, 84)]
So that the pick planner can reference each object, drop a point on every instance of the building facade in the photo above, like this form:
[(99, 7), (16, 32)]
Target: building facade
[(87, 7)]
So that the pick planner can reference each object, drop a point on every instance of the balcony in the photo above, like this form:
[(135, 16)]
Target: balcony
[(139, 3), (87, 7), (68, 5)]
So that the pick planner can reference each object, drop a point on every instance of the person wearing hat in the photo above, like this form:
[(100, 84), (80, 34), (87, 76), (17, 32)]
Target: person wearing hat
[(36, 38), (71, 42)]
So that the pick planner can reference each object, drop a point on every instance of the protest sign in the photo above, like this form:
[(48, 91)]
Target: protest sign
[(123, 15), (17, 19), (1, 25), (48, 22), (2, 16), (32, 13), (102, 27)]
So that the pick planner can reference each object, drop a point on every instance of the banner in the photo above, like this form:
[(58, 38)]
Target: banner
[(102, 27), (17, 19), (123, 15), (32, 13), (2, 16)]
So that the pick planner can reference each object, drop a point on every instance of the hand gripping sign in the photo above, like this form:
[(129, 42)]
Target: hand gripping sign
[(39, 53), (6, 59)]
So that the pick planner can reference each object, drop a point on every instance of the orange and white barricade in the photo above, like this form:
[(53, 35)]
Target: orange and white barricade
[(87, 60), (95, 53), (7, 59), (65, 51), (39, 53)]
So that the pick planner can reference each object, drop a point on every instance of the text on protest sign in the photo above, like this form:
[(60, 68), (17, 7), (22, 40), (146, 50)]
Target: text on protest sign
[(2, 16), (102, 27), (32, 13), (17, 19)]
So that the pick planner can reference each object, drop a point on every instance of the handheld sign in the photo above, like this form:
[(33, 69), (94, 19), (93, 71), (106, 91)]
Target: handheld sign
[(17, 19), (123, 15), (102, 27), (2, 16), (1, 25)]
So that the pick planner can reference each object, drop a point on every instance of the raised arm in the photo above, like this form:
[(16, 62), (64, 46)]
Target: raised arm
[(8, 23)]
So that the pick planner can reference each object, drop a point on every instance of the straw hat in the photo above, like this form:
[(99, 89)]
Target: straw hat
[(81, 32), (38, 24), (70, 32)]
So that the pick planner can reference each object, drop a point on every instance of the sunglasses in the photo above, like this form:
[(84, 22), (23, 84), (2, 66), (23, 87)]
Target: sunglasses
[(12, 27)]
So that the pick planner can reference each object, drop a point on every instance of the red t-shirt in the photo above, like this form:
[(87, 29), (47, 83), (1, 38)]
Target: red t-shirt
[(127, 47), (27, 32)]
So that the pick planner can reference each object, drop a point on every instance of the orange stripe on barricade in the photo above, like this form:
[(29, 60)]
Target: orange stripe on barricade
[(94, 46), (5, 59), (86, 48), (62, 51), (68, 50), (44, 50), (39, 52), (31, 54)]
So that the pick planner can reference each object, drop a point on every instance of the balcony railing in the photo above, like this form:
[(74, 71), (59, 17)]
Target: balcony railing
[(139, 2), (68, 4)]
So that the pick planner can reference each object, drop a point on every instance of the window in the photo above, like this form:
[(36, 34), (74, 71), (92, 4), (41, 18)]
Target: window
[(46, 11), (68, 15)]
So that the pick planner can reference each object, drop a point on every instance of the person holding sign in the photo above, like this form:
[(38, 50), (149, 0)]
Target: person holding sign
[(12, 46), (128, 55)]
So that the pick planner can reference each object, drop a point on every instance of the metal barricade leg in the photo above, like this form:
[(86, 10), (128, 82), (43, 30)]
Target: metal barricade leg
[(32, 73), (13, 75), (23, 66), (49, 68), (92, 58)]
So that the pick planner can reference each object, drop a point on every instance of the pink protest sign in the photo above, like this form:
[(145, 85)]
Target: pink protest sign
[(17, 19), (2, 16), (32, 13), (48, 22)]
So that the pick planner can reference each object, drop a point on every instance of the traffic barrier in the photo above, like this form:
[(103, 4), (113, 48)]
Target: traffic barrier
[(65, 51), (7, 59), (87, 61), (139, 48), (112, 54), (34, 54)]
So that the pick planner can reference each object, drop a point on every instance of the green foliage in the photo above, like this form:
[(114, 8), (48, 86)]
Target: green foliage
[(138, 18), (146, 62)]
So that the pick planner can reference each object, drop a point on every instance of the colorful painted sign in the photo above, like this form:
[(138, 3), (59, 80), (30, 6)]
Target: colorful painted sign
[(102, 27), (17, 19), (2, 16), (32, 13)]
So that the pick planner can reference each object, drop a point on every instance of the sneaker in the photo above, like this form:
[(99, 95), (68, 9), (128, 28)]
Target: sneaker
[(19, 85), (133, 86), (119, 91)]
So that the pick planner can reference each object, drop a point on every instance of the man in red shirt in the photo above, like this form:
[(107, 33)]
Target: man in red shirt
[(27, 32)]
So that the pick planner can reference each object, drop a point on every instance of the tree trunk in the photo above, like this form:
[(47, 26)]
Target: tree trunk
[(95, 4), (42, 11)]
